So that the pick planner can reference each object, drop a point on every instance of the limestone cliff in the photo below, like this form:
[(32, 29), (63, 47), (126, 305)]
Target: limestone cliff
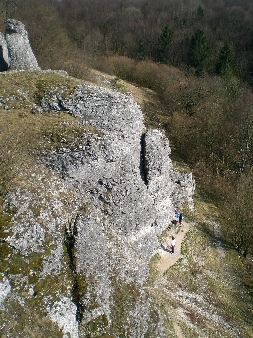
[(81, 222), (85, 192), (4, 55)]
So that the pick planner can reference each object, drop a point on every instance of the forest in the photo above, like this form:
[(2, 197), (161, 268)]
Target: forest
[(196, 55)]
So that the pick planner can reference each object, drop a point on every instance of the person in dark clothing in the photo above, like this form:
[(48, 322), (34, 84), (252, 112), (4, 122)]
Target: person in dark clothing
[(180, 218)]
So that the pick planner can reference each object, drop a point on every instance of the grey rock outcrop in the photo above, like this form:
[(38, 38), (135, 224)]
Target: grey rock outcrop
[(4, 56), (5, 288), (183, 189), (93, 212), (15, 48)]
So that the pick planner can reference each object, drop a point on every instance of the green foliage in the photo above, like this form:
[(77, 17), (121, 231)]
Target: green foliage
[(141, 49), (226, 65), (198, 51), (164, 41), (200, 11)]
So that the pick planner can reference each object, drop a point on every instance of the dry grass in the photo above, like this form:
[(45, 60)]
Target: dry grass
[(25, 88), (207, 283)]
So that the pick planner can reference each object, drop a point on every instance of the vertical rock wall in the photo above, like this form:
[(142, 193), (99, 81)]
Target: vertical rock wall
[(15, 48), (4, 55)]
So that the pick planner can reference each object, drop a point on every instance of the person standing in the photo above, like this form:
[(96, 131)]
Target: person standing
[(176, 215), (180, 218), (173, 243)]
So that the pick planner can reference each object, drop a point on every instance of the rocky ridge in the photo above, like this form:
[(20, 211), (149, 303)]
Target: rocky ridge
[(105, 203), (84, 219)]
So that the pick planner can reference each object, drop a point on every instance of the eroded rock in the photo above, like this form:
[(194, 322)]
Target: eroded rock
[(94, 214), (4, 56), (15, 48)]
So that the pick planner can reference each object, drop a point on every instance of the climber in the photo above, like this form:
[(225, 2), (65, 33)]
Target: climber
[(173, 243)]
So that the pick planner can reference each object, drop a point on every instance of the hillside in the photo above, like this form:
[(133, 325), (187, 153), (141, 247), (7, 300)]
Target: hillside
[(88, 191)]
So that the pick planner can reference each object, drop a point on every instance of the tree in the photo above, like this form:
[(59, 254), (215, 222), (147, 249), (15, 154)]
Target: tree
[(197, 52), (200, 11), (7, 8), (141, 49), (240, 216), (164, 40), (226, 65)]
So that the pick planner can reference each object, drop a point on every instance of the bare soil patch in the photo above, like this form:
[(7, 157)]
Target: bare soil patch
[(167, 259)]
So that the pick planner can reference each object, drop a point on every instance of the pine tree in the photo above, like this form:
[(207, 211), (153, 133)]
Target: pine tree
[(164, 40), (200, 12), (197, 52), (226, 65)]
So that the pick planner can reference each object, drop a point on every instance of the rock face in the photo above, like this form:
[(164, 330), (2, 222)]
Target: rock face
[(78, 232), (92, 216), (4, 56), (15, 49)]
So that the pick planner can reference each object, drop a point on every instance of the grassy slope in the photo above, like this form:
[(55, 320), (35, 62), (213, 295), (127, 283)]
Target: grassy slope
[(207, 292), (209, 280)]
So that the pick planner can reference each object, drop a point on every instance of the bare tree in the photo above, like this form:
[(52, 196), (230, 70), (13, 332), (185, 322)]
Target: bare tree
[(239, 216), (7, 8)]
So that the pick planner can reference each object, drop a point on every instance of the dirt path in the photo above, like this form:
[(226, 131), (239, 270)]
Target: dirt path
[(168, 259)]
